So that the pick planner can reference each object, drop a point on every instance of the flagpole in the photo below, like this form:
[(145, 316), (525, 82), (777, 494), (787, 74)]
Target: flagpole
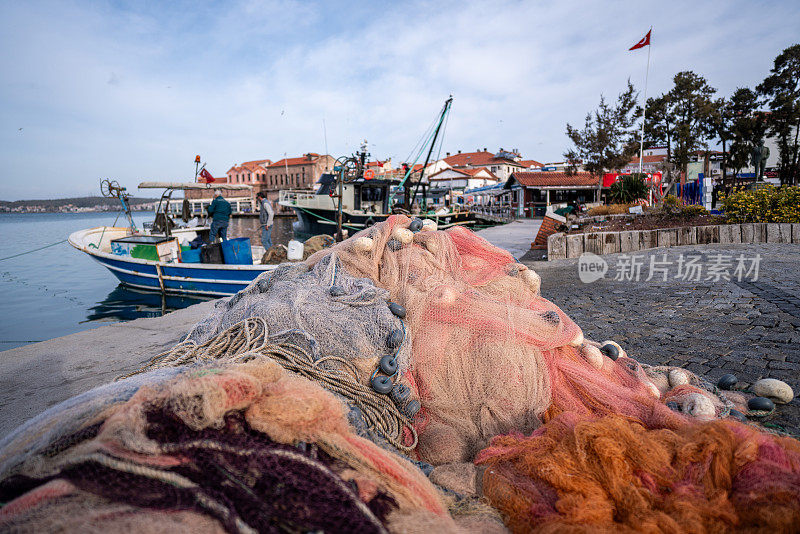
[(644, 112)]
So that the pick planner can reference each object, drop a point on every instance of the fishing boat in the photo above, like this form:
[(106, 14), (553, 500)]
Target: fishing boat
[(353, 197), (364, 202), (156, 257)]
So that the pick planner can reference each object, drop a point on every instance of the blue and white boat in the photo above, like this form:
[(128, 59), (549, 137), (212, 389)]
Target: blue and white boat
[(167, 275)]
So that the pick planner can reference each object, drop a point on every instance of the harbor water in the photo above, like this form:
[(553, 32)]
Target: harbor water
[(60, 290)]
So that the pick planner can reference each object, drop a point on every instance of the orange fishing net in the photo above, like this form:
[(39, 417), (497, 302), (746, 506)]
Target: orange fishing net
[(613, 474)]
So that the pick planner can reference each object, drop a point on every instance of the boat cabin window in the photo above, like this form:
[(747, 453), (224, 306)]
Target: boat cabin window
[(372, 194)]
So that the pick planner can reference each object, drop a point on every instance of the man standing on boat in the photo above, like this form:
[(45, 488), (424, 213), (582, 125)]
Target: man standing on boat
[(265, 217), (220, 212)]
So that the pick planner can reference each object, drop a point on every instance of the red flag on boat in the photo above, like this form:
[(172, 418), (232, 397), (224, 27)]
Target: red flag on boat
[(644, 42), (206, 176)]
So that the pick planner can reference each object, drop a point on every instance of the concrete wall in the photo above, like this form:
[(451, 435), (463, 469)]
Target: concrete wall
[(560, 246)]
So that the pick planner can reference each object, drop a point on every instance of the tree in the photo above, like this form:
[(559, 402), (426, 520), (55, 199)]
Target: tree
[(748, 126), (720, 126), (691, 105), (608, 138), (782, 87), (659, 127)]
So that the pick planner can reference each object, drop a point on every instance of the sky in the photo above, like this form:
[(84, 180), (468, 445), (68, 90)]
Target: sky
[(132, 91)]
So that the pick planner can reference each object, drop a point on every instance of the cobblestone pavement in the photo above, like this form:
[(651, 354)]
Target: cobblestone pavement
[(750, 328)]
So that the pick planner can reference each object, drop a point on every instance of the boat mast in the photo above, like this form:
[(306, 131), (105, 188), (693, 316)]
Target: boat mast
[(407, 191)]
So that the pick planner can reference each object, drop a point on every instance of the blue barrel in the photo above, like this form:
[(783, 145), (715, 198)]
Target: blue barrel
[(191, 255), (237, 251)]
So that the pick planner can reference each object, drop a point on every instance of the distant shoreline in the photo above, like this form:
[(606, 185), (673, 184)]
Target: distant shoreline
[(75, 205)]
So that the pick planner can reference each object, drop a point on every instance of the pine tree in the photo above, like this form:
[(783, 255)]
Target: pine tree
[(691, 104), (748, 127), (782, 88), (608, 139)]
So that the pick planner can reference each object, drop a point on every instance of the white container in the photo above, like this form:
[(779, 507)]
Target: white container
[(294, 251)]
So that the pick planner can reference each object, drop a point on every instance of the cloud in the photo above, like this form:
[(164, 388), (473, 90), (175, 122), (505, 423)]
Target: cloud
[(135, 92)]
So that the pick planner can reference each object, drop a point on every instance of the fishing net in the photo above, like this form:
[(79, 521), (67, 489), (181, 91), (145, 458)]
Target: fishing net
[(613, 474), (339, 382), (490, 355), (250, 445)]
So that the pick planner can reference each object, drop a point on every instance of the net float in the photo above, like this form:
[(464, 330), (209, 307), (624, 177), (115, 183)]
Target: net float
[(381, 384), (398, 309), (761, 404), (532, 279), (395, 338), (404, 235), (777, 390), (412, 408), (400, 393), (678, 377), (363, 244), (388, 365), (611, 350), (592, 355), (577, 341), (727, 381), (429, 225)]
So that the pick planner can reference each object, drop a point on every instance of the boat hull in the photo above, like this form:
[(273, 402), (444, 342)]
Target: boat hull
[(315, 221), (175, 278)]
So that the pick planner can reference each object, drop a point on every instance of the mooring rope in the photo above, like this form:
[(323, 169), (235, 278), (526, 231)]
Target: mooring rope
[(248, 340), (34, 250)]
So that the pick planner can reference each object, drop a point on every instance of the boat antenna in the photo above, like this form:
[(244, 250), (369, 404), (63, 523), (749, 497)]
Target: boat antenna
[(438, 154), (430, 135), (325, 134), (442, 116)]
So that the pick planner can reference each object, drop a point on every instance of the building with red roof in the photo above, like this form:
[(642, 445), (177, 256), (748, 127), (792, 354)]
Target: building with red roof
[(300, 172), (501, 164), (463, 178), (531, 194)]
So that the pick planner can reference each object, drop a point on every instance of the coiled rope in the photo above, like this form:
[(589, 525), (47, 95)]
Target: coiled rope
[(248, 340)]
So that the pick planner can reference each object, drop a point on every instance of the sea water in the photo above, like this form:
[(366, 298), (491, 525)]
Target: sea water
[(60, 290)]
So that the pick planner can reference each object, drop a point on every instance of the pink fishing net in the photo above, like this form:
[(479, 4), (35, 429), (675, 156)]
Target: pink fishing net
[(489, 353)]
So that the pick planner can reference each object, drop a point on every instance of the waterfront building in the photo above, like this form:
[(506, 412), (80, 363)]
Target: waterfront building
[(501, 164), (531, 194), (294, 173), (249, 172)]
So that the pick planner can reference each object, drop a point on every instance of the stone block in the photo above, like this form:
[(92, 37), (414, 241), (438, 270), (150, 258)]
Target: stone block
[(759, 232), (610, 242), (707, 235), (668, 237), (777, 233), (748, 232), (687, 235), (730, 234), (795, 232), (786, 232), (648, 239), (574, 245), (593, 243), (556, 247), (630, 241)]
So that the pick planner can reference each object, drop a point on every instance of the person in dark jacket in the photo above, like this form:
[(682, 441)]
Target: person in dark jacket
[(220, 212)]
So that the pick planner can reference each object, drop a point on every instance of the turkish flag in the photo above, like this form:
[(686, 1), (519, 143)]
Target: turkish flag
[(644, 42), (206, 176)]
